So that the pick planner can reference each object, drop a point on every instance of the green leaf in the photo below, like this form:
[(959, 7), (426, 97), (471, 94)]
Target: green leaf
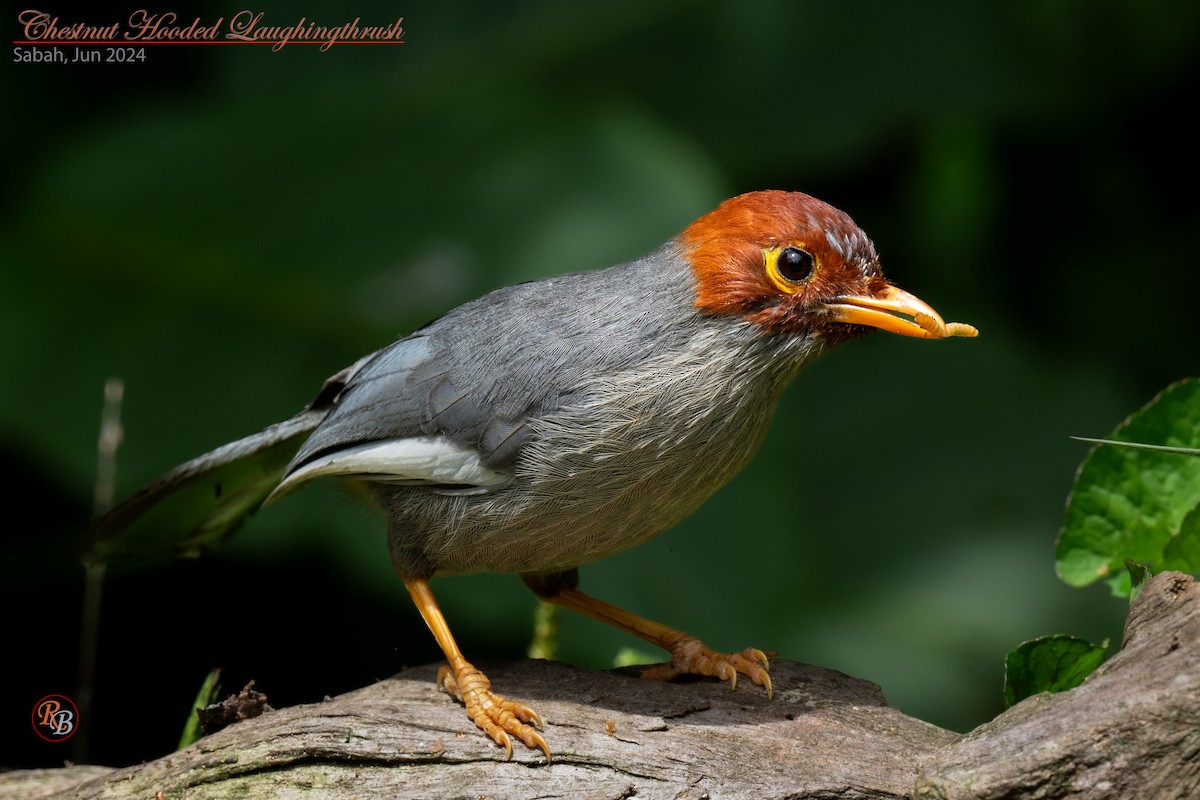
[(1049, 664), (1183, 551), (1139, 573), (1131, 502), (207, 695)]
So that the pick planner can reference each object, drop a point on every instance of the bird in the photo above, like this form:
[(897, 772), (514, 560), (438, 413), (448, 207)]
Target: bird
[(552, 423)]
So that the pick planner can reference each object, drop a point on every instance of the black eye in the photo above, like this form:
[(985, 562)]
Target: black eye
[(794, 264)]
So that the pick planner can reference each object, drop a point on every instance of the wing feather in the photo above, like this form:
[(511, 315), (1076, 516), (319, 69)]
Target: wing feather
[(435, 461)]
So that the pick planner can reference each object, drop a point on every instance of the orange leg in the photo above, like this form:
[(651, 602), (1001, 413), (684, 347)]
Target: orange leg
[(495, 714), (688, 654)]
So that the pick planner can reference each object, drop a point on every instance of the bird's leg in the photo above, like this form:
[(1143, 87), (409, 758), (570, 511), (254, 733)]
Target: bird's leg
[(495, 714), (688, 654)]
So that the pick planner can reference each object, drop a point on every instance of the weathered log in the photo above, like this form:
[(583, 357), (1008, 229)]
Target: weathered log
[(1131, 730)]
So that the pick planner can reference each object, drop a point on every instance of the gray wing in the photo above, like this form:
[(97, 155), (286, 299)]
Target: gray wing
[(410, 417), (449, 406)]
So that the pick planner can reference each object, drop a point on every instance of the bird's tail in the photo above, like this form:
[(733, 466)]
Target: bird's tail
[(201, 502)]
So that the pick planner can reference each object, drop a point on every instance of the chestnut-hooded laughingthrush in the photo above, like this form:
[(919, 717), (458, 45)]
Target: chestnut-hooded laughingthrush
[(555, 422)]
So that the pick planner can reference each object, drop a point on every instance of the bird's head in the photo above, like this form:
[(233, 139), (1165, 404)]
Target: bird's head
[(795, 265)]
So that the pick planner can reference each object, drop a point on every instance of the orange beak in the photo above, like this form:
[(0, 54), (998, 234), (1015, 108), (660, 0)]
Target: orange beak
[(896, 311)]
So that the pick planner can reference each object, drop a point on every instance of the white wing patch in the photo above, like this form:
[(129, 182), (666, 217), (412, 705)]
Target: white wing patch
[(414, 460)]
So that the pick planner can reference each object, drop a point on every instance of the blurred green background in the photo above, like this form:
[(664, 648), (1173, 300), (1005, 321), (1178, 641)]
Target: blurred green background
[(224, 227)]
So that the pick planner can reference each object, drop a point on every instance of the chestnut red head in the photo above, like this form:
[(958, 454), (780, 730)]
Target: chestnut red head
[(796, 265)]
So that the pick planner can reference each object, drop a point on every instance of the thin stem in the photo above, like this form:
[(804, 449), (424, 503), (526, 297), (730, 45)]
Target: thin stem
[(93, 585)]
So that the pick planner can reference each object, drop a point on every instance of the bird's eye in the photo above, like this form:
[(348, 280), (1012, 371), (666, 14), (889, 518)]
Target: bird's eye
[(794, 264), (788, 267)]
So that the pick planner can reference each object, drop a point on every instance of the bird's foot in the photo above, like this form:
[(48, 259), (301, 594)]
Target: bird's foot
[(689, 656), (495, 714)]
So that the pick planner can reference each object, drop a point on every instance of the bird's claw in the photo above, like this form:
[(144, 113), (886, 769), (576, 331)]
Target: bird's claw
[(495, 714), (689, 656)]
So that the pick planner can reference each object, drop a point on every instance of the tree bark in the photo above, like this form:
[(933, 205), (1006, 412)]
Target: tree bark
[(1131, 730)]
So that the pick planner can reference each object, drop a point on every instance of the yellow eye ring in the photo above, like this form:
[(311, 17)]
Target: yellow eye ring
[(789, 267)]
